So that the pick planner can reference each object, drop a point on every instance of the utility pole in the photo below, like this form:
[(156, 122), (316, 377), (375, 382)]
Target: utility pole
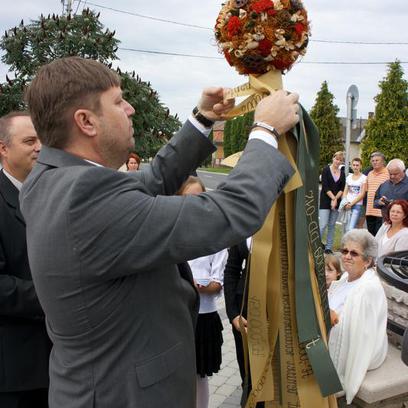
[(352, 99), (67, 6)]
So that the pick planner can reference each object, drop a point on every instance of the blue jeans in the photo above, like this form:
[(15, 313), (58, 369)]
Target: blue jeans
[(355, 215), (328, 218)]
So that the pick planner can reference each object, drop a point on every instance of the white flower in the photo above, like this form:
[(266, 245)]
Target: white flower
[(274, 51), (258, 37), (252, 45), (287, 45), (277, 5), (297, 17), (242, 14)]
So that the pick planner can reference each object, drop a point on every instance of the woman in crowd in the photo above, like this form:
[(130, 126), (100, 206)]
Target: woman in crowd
[(393, 234), (354, 192), (332, 268), (358, 342), (333, 181), (208, 274), (133, 162)]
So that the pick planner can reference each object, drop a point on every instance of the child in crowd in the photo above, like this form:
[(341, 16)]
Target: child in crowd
[(332, 268), (208, 274)]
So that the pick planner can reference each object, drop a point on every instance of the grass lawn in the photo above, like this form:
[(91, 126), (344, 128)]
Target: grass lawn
[(338, 233), (224, 170)]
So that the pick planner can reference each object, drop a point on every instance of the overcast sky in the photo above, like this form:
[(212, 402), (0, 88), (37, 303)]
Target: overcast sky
[(179, 80)]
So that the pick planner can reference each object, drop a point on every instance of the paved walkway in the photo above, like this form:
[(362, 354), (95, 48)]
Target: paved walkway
[(225, 386)]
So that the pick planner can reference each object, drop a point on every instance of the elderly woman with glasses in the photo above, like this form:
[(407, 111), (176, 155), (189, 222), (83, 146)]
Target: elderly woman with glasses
[(358, 341)]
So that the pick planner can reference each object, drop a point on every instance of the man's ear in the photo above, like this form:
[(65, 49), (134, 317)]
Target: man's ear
[(3, 149), (86, 122)]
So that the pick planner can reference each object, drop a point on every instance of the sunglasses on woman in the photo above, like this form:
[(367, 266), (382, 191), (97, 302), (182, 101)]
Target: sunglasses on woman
[(353, 254)]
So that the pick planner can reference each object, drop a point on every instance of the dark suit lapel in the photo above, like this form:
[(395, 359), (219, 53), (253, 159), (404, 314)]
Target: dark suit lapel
[(10, 195)]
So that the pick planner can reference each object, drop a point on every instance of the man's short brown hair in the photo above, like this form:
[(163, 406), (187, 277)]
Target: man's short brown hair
[(5, 123), (59, 89)]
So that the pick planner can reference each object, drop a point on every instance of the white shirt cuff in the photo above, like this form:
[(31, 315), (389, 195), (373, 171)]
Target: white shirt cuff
[(265, 136), (199, 126)]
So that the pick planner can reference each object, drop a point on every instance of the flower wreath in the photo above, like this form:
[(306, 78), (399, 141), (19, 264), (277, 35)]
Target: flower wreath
[(258, 36)]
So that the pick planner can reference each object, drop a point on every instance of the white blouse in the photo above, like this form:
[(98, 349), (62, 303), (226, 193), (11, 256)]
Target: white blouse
[(206, 269)]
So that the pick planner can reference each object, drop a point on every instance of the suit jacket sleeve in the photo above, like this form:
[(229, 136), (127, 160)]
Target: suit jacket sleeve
[(169, 169), (232, 275), (377, 196), (17, 296), (118, 229)]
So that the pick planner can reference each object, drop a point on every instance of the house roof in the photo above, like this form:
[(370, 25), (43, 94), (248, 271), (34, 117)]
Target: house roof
[(357, 129)]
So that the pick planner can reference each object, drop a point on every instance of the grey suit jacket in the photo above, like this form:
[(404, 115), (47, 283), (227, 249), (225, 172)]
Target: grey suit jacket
[(103, 248)]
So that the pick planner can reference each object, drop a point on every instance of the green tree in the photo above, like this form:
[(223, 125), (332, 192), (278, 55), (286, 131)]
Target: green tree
[(324, 115), (247, 122), (27, 47), (227, 138), (387, 131), (236, 131)]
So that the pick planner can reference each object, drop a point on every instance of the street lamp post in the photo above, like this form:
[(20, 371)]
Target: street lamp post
[(352, 99)]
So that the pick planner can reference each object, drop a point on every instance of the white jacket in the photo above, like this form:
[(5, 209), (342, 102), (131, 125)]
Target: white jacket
[(359, 341)]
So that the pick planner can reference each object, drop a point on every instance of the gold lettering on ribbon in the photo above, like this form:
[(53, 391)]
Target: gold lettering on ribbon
[(256, 339), (317, 250), (287, 354)]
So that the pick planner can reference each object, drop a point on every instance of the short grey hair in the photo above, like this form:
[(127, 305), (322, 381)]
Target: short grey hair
[(365, 240), (396, 163), (379, 154), (5, 124)]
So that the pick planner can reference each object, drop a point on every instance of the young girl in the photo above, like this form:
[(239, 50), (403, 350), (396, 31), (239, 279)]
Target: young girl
[(332, 268), (354, 192), (208, 274)]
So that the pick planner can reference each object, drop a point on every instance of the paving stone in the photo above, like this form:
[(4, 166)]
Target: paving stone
[(226, 390)]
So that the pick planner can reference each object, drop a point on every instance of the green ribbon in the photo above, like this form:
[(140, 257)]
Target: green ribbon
[(306, 225)]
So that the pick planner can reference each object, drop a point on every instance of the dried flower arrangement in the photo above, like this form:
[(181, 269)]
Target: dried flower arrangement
[(258, 36)]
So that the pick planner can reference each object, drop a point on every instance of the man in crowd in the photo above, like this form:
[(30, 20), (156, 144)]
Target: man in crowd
[(375, 177), (24, 344), (104, 245), (393, 189)]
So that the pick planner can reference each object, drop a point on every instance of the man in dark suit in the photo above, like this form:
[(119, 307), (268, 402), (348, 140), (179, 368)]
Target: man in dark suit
[(104, 245), (24, 344)]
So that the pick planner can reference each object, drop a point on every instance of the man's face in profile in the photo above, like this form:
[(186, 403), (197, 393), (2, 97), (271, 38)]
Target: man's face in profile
[(20, 155), (116, 128)]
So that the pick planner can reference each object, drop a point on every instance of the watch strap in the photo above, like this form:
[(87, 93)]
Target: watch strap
[(267, 127), (202, 119)]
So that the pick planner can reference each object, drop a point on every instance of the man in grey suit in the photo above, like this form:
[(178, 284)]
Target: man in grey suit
[(104, 245)]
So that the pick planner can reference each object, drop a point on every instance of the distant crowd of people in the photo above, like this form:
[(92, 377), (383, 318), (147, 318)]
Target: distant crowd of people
[(376, 198), (364, 197)]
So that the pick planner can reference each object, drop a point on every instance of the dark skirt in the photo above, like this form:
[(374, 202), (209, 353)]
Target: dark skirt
[(208, 341)]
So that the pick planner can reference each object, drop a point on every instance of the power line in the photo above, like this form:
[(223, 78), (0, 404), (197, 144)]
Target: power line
[(175, 54), (163, 20), (170, 53)]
